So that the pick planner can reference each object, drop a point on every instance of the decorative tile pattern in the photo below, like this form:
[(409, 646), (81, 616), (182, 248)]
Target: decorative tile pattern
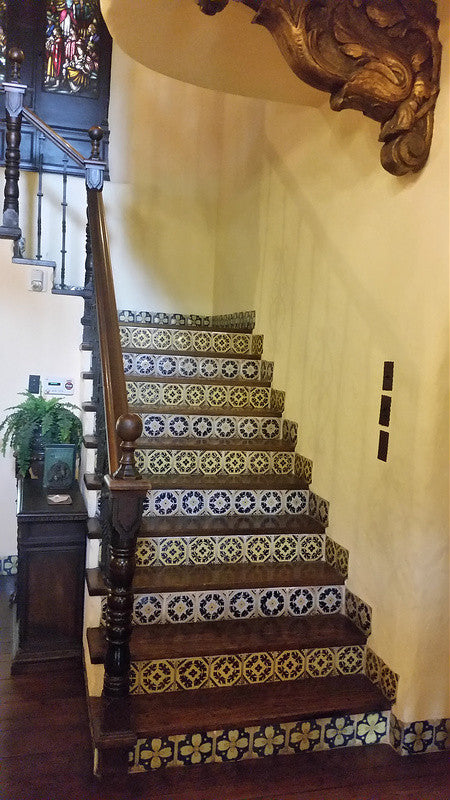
[(171, 394), (381, 675), (336, 556), (8, 565), (240, 319), (226, 427), (219, 462), (216, 502), (224, 746), (163, 318), (185, 340), (358, 612), (229, 604), (193, 367), (423, 736)]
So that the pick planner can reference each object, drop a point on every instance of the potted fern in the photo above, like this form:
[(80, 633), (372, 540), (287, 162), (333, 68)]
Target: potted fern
[(35, 423)]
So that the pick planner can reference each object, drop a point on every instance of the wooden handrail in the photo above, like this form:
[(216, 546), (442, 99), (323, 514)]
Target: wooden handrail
[(54, 137), (114, 388)]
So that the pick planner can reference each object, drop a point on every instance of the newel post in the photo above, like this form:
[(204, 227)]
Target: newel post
[(14, 91), (127, 493)]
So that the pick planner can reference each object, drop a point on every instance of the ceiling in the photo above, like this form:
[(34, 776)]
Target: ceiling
[(225, 52)]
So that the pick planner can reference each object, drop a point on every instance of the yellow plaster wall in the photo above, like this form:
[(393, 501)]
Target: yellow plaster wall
[(347, 267)]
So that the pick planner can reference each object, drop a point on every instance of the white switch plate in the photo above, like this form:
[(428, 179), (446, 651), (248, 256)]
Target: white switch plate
[(58, 386)]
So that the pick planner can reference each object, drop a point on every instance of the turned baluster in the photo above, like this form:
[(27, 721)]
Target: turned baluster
[(14, 92), (126, 503)]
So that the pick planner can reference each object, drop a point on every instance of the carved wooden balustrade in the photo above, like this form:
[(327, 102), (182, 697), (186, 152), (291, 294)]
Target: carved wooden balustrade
[(123, 487), (381, 57)]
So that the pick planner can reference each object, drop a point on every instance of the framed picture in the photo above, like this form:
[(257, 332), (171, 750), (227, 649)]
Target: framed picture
[(59, 466)]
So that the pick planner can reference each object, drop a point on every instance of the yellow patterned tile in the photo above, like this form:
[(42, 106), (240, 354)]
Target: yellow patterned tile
[(221, 342), (259, 397), (259, 463), (311, 548), (172, 394), (285, 547), (258, 549), (226, 670), (241, 343), (350, 659), (159, 462), (173, 551), (161, 340), (146, 552), (258, 667), (235, 462), (182, 340), (230, 549), (289, 665), (319, 662), (202, 550), (195, 395), (282, 463), (149, 393), (140, 460), (192, 673), (185, 462), (202, 340), (140, 338), (210, 462), (216, 395), (239, 396), (157, 676)]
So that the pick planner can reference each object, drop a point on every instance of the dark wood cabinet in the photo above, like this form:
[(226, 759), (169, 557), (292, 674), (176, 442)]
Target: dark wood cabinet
[(51, 543)]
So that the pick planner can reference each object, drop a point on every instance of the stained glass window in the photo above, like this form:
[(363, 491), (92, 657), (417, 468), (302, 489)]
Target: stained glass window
[(3, 45), (71, 61)]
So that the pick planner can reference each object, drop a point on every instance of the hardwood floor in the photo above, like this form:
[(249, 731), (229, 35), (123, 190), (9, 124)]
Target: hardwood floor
[(45, 754)]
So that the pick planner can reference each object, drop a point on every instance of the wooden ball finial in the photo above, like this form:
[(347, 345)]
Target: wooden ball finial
[(96, 135), (16, 58), (129, 427)]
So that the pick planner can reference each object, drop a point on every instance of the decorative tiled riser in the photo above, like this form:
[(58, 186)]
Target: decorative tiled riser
[(240, 319), (218, 502), (215, 605), (358, 612), (423, 736), (256, 742), (8, 565), (203, 426), (189, 341), (195, 394), (251, 548), (209, 672), (337, 556), (191, 367), (223, 462), (380, 674)]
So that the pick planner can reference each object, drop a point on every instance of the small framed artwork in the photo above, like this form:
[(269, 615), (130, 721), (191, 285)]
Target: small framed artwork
[(59, 466)]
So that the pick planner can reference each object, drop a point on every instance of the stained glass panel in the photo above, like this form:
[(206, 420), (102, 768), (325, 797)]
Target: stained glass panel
[(3, 45), (72, 47)]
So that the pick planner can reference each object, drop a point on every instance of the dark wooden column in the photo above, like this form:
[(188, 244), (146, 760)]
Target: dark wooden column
[(14, 94)]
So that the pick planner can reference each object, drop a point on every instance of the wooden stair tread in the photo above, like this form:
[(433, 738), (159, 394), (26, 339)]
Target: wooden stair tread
[(254, 482), (152, 642), (204, 411), (223, 576), (236, 707), (300, 524), (231, 524), (210, 443), (199, 381)]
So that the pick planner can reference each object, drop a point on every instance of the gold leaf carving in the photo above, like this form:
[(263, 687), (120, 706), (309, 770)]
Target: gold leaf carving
[(381, 57)]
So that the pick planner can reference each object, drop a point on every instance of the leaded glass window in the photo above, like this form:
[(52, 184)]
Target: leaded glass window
[(72, 47)]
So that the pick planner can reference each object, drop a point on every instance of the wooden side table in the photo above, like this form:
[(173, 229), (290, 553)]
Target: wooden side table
[(51, 543)]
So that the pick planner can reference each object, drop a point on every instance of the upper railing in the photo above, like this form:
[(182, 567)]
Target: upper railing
[(123, 483)]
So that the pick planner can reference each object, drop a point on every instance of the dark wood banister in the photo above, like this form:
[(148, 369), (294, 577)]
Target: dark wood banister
[(54, 137), (114, 388), (126, 490)]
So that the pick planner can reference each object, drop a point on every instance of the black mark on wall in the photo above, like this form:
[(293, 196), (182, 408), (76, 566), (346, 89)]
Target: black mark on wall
[(385, 409)]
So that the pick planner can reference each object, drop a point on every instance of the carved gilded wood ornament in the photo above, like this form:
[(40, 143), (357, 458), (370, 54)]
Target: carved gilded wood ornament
[(381, 57)]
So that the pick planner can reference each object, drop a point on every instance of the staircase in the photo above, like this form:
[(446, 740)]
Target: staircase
[(246, 642)]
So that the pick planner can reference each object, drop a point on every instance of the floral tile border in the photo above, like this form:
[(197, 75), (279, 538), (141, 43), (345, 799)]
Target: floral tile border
[(220, 502), (225, 746), (223, 462), (337, 556), (8, 565), (239, 319), (204, 426), (166, 366), (197, 394), (358, 612), (220, 671), (184, 340), (219, 605), (228, 549), (381, 675), (422, 736)]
